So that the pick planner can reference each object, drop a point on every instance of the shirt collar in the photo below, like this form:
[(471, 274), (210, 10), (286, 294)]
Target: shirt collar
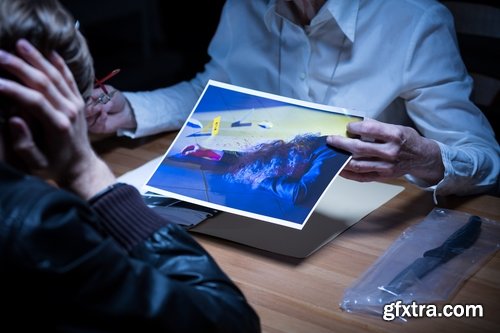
[(269, 16), (344, 12)]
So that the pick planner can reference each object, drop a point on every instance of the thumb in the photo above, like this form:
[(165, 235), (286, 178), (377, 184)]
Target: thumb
[(24, 147)]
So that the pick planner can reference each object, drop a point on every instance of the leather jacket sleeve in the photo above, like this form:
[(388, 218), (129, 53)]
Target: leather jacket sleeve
[(70, 267)]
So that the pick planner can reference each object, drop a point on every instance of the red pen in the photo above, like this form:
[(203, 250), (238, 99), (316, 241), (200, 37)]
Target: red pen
[(100, 83)]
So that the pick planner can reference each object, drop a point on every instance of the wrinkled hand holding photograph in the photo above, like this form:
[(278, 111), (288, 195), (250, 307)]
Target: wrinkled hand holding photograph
[(254, 154)]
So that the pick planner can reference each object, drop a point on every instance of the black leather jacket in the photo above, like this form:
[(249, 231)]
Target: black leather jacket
[(113, 266)]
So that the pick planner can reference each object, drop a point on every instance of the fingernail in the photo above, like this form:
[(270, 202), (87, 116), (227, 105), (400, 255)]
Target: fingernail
[(4, 56), (24, 45)]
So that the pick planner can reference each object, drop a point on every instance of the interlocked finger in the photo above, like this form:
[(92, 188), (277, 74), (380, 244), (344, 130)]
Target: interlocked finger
[(33, 100), (32, 78), (69, 79), (38, 61)]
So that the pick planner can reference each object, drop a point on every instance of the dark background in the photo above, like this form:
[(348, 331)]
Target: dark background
[(154, 43), (158, 43)]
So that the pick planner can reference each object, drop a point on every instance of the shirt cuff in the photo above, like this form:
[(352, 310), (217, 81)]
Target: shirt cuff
[(425, 186), (132, 133), (442, 183), (153, 113)]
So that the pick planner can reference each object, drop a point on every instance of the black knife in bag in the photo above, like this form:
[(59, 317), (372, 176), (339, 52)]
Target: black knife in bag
[(457, 243)]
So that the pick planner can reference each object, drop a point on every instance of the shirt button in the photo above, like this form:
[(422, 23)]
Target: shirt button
[(302, 76)]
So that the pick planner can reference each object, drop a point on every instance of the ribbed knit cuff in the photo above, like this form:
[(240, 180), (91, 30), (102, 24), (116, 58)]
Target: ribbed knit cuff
[(124, 215)]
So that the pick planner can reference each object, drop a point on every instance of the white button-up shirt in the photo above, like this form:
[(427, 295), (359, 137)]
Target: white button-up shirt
[(396, 61)]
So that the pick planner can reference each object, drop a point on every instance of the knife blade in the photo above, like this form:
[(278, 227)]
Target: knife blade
[(455, 244)]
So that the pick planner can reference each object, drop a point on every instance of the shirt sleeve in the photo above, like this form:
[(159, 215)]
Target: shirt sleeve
[(437, 90), (161, 110)]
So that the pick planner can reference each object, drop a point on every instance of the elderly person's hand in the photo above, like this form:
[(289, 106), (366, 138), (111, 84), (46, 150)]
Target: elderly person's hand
[(47, 125), (381, 151)]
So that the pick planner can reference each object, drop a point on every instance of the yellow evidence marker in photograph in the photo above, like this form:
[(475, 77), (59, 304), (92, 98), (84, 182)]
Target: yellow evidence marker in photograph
[(215, 126)]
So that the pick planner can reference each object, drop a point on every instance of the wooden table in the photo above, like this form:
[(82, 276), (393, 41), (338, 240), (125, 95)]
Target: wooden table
[(303, 295)]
